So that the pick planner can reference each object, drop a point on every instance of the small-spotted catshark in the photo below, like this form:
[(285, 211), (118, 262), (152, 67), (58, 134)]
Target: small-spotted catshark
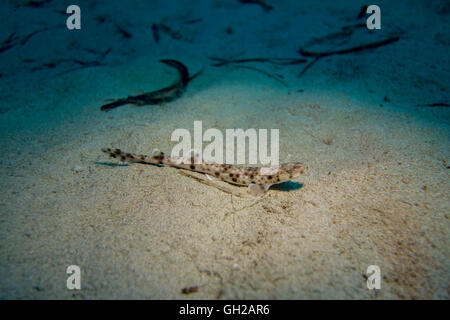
[(258, 180)]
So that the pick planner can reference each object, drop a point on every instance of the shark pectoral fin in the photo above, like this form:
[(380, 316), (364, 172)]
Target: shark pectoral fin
[(256, 189), (211, 177), (193, 155), (156, 153)]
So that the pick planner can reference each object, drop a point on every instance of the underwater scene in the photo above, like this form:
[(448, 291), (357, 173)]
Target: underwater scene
[(224, 149)]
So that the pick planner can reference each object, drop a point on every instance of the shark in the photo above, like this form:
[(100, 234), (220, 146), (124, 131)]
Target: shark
[(258, 180)]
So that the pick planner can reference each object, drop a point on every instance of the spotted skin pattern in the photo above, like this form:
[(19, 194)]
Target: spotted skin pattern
[(253, 177)]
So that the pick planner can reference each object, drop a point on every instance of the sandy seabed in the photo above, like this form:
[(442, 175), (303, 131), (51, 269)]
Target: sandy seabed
[(376, 191)]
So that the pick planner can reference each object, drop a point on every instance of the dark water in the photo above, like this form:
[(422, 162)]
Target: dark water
[(346, 98)]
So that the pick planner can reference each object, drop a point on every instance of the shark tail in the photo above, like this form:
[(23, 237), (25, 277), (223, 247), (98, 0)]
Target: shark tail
[(156, 159)]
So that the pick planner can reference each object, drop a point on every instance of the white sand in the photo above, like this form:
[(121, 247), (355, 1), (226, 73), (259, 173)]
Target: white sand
[(377, 193)]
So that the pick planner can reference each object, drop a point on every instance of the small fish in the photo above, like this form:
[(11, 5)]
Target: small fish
[(265, 6), (189, 290), (174, 34), (36, 3), (159, 96), (258, 180), (362, 13), (438, 104), (124, 33), (155, 32)]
